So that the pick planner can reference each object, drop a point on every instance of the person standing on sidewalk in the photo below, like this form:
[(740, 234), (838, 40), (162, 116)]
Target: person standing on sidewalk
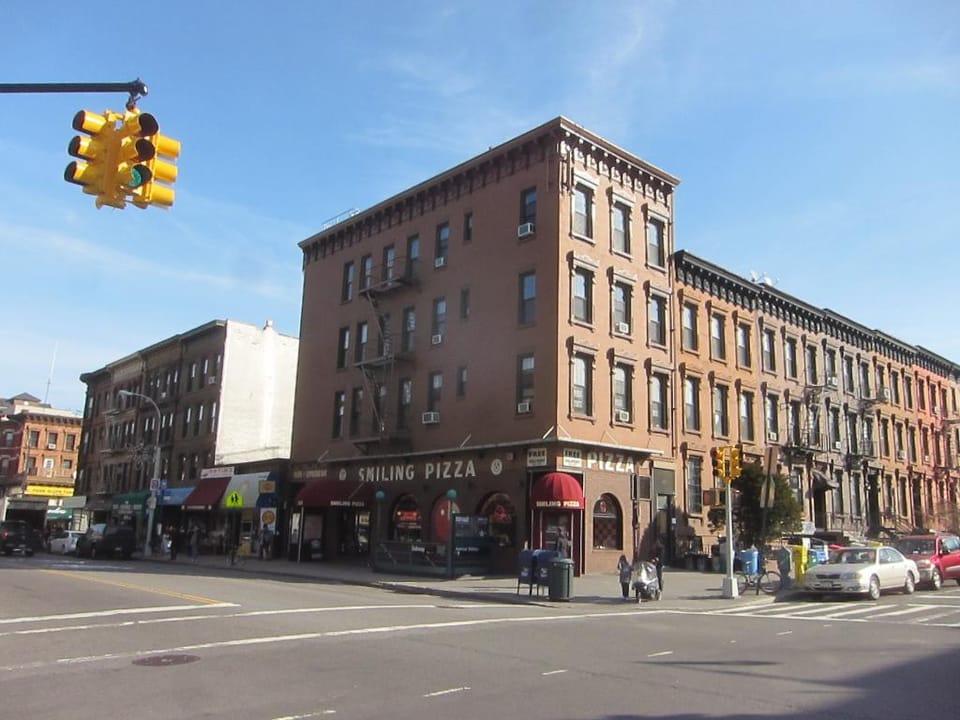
[(625, 569), (656, 557), (194, 542), (266, 542)]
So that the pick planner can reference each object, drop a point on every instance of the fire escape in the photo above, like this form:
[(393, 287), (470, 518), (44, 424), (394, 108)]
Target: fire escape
[(379, 360)]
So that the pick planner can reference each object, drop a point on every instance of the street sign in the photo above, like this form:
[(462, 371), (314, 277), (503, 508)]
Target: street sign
[(152, 502), (233, 500), (154, 484)]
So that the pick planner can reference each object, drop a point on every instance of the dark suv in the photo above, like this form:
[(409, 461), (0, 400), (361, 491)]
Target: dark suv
[(937, 556), (107, 541), (19, 535)]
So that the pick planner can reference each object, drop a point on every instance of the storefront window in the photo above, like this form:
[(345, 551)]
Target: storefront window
[(407, 521), (503, 519), (440, 519), (607, 524)]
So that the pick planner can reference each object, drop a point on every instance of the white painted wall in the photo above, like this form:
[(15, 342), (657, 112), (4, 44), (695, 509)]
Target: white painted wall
[(256, 394)]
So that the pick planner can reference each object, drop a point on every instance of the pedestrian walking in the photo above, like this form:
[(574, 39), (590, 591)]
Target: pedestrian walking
[(176, 541), (266, 542), (625, 569), (194, 542), (656, 557)]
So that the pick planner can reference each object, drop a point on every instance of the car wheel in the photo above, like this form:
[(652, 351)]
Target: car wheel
[(28, 552), (874, 589), (936, 581), (909, 585)]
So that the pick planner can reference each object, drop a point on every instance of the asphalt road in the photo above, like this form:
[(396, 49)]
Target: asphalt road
[(83, 639)]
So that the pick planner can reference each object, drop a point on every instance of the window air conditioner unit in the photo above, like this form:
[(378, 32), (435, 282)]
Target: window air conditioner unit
[(623, 416), (901, 454), (832, 381), (772, 436), (430, 418), (439, 262), (523, 408), (926, 459), (885, 394), (837, 445), (935, 410), (525, 230), (623, 328), (163, 395), (436, 339), (51, 446), (212, 379)]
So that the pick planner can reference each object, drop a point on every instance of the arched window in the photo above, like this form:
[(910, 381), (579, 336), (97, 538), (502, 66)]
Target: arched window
[(406, 520), (499, 510), (440, 518), (607, 524)]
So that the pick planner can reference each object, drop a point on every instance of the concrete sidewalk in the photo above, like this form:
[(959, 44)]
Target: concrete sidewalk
[(683, 589)]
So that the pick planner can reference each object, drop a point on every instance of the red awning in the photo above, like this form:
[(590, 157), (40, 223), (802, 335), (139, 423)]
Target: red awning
[(206, 494), (335, 493), (557, 490)]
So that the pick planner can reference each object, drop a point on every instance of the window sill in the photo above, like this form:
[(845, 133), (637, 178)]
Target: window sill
[(584, 238)]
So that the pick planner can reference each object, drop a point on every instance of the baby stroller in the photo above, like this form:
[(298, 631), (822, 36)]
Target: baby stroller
[(645, 583)]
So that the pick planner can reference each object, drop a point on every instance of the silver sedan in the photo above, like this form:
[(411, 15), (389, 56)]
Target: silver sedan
[(65, 542), (862, 571)]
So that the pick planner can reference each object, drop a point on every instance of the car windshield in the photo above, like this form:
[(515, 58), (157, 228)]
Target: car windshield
[(853, 556), (917, 546)]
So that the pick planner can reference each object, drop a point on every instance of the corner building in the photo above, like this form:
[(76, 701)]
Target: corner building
[(494, 342)]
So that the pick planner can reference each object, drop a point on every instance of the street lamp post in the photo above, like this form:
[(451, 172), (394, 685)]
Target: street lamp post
[(155, 480)]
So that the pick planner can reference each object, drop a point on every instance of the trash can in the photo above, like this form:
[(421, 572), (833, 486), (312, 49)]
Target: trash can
[(561, 579), (749, 560), (783, 558)]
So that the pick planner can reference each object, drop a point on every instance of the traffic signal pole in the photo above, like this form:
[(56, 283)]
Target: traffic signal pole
[(136, 89)]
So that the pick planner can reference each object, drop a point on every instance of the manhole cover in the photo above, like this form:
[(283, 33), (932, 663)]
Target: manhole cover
[(165, 660)]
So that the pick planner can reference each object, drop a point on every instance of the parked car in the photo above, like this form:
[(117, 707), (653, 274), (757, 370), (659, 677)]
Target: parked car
[(862, 571), (937, 556), (103, 540), (64, 542), (19, 535)]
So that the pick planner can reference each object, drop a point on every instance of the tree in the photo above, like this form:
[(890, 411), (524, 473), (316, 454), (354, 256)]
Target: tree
[(782, 518)]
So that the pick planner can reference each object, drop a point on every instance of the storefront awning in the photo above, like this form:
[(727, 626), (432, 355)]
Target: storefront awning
[(206, 494), (557, 490), (243, 491), (822, 481), (130, 503), (335, 493), (175, 495)]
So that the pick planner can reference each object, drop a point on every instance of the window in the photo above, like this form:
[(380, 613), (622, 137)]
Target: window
[(834, 425), (356, 404), (198, 421), (461, 381), (71, 442), (442, 247), (464, 303), (213, 418), (366, 271), (865, 389), (363, 336), (813, 377), (582, 400), (622, 302), (656, 252), (623, 392), (908, 391), (434, 391), (468, 227), (346, 291), (746, 416), (744, 355), (658, 401), (404, 398), (406, 332), (413, 256), (768, 350), (772, 415), (583, 295), (620, 229), (848, 374), (607, 524), (657, 320), (583, 211), (525, 378), (790, 357), (721, 418), (187, 418), (528, 206), (384, 335), (921, 395), (691, 403), (389, 270), (718, 340), (52, 439), (339, 401), (793, 422), (528, 298), (439, 320), (695, 484), (689, 335)]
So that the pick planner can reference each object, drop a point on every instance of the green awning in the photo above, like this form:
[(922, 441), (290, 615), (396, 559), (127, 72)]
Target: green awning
[(59, 513), (131, 503)]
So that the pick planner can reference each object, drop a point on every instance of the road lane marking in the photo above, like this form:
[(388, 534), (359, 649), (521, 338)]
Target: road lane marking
[(130, 586), (661, 654), (319, 713), (105, 613), (906, 611), (553, 672), (438, 693), (786, 632)]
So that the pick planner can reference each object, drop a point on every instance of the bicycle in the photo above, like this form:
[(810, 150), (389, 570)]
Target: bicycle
[(767, 580)]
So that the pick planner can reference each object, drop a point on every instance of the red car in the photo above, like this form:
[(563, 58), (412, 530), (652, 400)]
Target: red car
[(937, 557)]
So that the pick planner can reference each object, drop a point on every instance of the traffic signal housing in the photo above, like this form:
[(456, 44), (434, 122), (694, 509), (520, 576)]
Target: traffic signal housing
[(161, 171), (735, 463), (96, 169), (718, 462)]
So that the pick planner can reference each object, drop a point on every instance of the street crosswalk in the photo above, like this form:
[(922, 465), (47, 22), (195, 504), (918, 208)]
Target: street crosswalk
[(937, 609)]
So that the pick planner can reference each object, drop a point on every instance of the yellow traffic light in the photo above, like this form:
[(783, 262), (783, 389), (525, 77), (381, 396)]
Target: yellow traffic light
[(134, 150), (162, 172), (735, 466), (97, 168)]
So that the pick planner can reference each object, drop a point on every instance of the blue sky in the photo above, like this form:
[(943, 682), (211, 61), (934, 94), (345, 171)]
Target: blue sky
[(816, 142)]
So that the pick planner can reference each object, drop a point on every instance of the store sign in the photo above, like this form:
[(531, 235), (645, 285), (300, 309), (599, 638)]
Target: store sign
[(572, 458), (267, 486), (611, 462), (216, 472), (50, 490), (537, 457), (431, 470)]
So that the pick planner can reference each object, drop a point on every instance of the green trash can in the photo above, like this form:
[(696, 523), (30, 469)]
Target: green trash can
[(561, 579)]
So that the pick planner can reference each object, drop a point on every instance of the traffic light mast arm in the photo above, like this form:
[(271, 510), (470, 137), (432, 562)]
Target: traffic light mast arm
[(137, 88)]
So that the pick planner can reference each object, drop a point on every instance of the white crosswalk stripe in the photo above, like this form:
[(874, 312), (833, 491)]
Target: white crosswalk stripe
[(923, 610)]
